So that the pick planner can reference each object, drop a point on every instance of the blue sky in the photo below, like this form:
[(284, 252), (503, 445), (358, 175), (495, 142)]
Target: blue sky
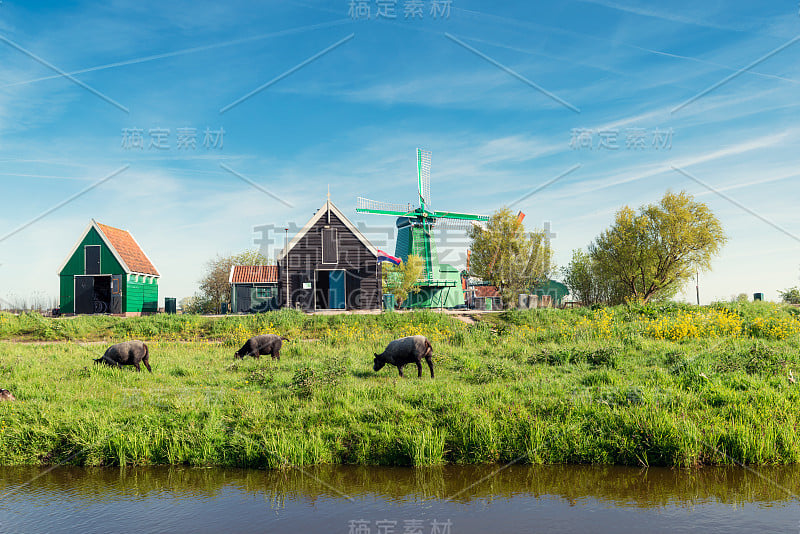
[(628, 78)]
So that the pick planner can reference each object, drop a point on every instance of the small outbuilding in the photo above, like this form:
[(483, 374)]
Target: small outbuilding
[(108, 272), (330, 265), (553, 289), (254, 288)]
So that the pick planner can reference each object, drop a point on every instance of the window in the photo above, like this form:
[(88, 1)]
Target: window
[(266, 292), (330, 246)]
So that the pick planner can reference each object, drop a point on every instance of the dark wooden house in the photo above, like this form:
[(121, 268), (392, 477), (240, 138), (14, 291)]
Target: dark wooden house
[(330, 265), (254, 288), (108, 272)]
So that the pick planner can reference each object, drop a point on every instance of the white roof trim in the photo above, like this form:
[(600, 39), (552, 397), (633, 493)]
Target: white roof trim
[(317, 216), (93, 224), (104, 237), (230, 276)]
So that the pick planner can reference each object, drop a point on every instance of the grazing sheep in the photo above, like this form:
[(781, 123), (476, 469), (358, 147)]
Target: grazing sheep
[(258, 345), (127, 353), (406, 350), (6, 395)]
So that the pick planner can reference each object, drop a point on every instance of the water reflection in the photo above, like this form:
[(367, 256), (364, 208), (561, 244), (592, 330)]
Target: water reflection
[(199, 499)]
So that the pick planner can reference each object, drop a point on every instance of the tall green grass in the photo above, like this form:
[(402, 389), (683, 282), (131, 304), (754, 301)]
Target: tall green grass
[(499, 394)]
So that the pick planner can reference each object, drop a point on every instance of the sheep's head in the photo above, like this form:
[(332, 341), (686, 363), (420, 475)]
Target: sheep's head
[(377, 363)]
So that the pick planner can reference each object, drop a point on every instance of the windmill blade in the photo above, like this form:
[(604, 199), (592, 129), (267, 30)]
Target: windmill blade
[(458, 224), (365, 205), (424, 176), (456, 215)]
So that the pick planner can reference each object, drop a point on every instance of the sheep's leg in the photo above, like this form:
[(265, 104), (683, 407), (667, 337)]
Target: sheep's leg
[(419, 369), (277, 355), (400, 370), (138, 367), (147, 364), (430, 364)]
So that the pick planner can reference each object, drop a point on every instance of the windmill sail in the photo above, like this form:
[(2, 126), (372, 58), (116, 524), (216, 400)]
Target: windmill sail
[(376, 206), (424, 176)]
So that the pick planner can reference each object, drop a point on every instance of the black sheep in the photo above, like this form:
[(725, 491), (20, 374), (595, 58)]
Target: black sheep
[(266, 344), (127, 353), (406, 350)]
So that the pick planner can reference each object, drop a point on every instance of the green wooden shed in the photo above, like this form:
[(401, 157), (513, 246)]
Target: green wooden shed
[(556, 290), (108, 272)]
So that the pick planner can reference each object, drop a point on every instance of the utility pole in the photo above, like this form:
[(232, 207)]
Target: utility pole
[(286, 261)]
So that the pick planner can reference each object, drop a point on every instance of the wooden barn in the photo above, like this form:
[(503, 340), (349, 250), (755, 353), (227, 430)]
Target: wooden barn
[(254, 288), (330, 265), (108, 272)]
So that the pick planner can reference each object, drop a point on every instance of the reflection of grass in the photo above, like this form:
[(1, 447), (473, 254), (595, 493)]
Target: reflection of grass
[(625, 487), (548, 386)]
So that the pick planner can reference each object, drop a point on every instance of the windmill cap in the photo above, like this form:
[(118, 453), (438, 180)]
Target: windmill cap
[(402, 222)]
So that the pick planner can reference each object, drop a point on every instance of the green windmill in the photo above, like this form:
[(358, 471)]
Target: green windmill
[(440, 283)]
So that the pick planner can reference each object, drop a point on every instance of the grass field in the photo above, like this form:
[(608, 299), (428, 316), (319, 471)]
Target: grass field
[(671, 385)]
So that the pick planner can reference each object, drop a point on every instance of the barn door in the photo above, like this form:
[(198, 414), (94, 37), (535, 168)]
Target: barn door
[(336, 296), (84, 294), (116, 294), (243, 299)]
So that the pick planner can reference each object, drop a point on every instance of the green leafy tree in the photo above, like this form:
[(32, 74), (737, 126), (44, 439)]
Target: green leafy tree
[(197, 304), (214, 286), (587, 283), (507, 256), (652, 253), (791, 295), (400, 280)]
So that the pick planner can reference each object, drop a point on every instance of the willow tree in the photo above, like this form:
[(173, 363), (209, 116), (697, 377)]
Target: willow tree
[(656, 250), (507, 256)]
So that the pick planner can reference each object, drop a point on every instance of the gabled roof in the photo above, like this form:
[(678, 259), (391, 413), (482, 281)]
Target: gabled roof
[(486, 291), (122, 245), (317, 216), (126, 246), (253, 274)]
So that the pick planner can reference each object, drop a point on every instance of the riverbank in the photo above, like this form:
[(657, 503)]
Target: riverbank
[(671, 385)]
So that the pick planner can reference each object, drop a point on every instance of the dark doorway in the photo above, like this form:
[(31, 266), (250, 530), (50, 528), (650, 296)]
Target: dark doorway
[(93, 295), (330, 290), (321, 286)]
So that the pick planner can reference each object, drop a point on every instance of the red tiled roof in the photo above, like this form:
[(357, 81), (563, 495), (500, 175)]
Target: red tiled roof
[(128, 250), (254, 274), (486, 291)]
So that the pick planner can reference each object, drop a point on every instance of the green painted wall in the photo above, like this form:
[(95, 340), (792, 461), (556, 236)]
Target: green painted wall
[(67, 301), (140, 296), (557, 290), (436, 297), (75, 266), (108, 263)]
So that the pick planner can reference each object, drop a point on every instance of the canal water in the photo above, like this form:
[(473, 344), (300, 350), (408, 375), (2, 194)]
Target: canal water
[(376, 500)]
